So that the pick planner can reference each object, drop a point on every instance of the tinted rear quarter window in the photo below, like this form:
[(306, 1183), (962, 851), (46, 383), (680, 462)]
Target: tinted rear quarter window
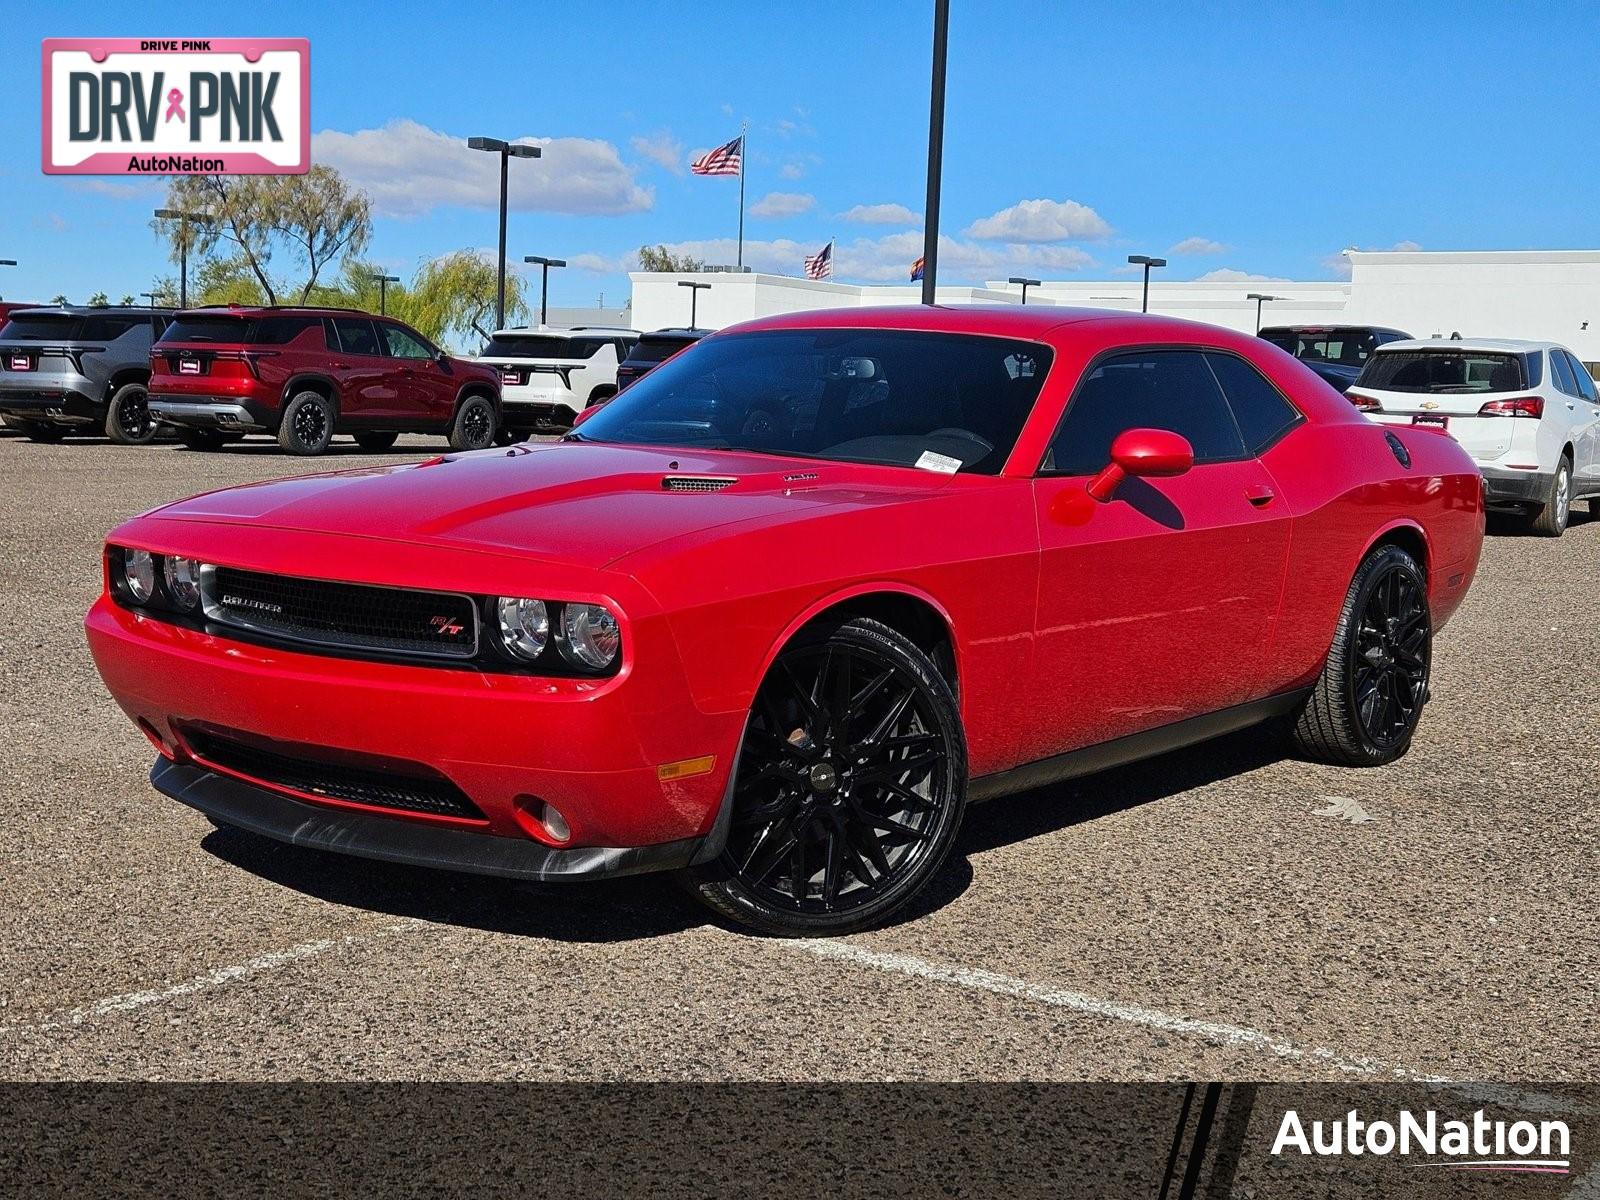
[(280, 331), (525, 346), (42, 329), (1262, 412), (1562, 373), (1585, 381), (1145, 389)]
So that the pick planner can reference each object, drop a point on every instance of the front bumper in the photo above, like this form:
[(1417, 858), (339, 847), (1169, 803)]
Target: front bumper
[(205, 413), (261, 811), (64, 400), (1501, 486)]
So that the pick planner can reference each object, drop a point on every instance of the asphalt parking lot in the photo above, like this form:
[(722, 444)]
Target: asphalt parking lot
[(1190, 917)]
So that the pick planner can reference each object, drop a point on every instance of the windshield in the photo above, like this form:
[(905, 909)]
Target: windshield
[(41, 327), (526, 346), (657, 349), (208, 329), (942, 401), (1350, 347), (1444, 372)]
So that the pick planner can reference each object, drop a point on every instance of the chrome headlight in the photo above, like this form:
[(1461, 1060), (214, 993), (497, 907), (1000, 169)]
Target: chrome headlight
[(590, 636), (183, 581), (524, 626), (139, 575)]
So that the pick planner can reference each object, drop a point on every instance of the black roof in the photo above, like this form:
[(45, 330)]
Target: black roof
[(679, 332), (1328, 327)]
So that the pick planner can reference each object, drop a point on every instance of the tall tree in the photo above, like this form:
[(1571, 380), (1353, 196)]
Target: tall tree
[(456, 294), (98, 300), (659, 258)]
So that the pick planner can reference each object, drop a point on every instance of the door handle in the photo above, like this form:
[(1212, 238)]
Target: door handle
[(1260, 495)]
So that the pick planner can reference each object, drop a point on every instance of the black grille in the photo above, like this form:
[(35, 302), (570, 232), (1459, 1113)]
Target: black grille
[(695, 483), (361, 785), (392, 620)]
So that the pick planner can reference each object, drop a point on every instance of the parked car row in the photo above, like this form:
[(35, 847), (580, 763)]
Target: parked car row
[(301, 375)]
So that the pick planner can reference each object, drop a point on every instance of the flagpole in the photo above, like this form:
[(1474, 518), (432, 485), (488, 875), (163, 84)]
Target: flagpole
[(744, 153)]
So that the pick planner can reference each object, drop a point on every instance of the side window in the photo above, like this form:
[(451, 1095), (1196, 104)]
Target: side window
[(1533, 361), (1562, 373), (1154, 389), (1584, 380), (109, 329), (1262, 412), (356, 336), (280, 331), (402, 344)]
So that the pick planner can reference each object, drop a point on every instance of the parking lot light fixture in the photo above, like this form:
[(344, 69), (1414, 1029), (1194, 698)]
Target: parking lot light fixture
[(151, 297), (544, 278), (1146, 262), (173, 214), (930, 224), (383, 282), (1026, 284), (507, 151), (694, 295), (1260, 298)]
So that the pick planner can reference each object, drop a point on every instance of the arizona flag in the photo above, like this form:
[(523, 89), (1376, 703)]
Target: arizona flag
[(916, 270)]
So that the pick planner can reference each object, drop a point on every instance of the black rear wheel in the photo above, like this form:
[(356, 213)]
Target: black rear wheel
[(1369, 698), (849, 789), (128, 419)]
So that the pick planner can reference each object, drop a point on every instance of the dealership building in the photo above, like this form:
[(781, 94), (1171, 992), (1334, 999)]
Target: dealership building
[(1545, 294)]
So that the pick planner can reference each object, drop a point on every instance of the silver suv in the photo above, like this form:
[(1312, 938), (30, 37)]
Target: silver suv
[(79, 370)]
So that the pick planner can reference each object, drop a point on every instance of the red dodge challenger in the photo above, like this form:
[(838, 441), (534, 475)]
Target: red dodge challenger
[(777, 613)]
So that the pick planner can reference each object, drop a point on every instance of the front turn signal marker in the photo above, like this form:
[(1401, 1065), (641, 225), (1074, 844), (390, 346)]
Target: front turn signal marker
[(686, 768)]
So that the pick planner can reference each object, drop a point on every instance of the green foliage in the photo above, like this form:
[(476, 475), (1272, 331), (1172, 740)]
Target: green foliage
[(98, 300), (456, 295), (225, 281), (58, 298), (659, 258), (127, 298)]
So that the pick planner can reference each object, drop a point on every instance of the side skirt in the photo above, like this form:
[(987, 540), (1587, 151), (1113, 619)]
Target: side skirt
[(1104, 755)]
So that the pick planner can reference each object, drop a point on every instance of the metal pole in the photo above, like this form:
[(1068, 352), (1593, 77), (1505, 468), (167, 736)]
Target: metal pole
[(183, 267), (544, 288), (930, 232), (1258, 313), (694, 296), (383, 297), (500, 301), (744, 154), (1144, 305)]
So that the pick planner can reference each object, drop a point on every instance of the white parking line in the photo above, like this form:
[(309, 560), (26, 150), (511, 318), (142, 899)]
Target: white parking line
[(221, 977), (1115, 1010)]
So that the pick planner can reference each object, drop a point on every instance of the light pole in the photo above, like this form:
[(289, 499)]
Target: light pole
[(150, 296), (1026, 284), (1259, 297), (544, 277), (173, 214), (694, 295), (930, 226), (1147, 262), (383, 282), (8, 262), (507, 151)]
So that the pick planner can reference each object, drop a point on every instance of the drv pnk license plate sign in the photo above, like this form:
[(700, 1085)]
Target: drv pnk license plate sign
[(169, 106)]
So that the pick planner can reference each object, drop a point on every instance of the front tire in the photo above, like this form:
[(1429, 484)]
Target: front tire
[(1551, 520), (1369, 697), (307, 425), (128, 419), (376, 441), (849, 789), (474, 426)]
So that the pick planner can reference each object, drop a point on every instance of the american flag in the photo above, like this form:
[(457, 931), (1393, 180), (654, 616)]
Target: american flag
[(916, 270), (820, 264), (724, 160)]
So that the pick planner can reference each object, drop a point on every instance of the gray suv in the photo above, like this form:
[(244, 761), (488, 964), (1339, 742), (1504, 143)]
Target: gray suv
[(79, 370)]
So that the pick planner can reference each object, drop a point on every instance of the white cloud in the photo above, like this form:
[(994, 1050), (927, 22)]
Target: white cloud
[(882, 214), (1040, 221), (1340, 265), (791, 170), (603, 264), (409, 169), (1197, 246), (783, 204), (888, 259), (727, 109), (1229, 275), (662, 149)]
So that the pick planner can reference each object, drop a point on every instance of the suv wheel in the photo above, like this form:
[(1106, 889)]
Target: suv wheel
[(307, 425), (1366, 704), (128, 419), (1551, 520), (474, 426), (376, 441)]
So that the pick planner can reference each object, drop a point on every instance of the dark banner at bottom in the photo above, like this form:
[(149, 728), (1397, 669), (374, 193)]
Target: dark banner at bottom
[(1153, 1141)]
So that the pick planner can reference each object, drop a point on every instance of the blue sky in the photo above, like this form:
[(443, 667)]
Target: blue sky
[(1242, 138)]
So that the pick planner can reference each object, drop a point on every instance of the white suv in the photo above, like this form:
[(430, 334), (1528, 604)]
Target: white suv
[(549, 376), (1527, 412)]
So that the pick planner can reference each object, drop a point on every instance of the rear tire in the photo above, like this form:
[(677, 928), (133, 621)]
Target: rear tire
[(307, 425), (1366, 704), (1551, 520), (128, 419), (849, 789), (475, 425), (376, 441)]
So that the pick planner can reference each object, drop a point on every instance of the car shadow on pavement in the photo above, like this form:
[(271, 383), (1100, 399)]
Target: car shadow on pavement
[(646, 906)]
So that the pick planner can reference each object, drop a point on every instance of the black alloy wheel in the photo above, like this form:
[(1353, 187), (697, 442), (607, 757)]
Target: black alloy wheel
[(474, 426), (128, 419), (1369, 698), (307, 425), (850, 786)]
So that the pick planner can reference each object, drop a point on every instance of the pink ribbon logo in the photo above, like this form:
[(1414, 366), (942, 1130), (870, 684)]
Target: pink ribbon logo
[(175, 105)]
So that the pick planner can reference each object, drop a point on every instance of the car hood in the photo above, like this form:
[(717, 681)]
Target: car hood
[(584, 505)]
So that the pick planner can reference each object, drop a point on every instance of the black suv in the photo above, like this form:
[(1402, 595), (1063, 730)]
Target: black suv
[(1335, 352), (653, 349), (79, 370)]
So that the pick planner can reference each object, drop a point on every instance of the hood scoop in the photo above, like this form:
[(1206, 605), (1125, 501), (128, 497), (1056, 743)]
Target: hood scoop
[(696, 483)]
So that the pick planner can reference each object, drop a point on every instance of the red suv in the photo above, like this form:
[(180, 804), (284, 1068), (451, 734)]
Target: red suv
[(305, 374)]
